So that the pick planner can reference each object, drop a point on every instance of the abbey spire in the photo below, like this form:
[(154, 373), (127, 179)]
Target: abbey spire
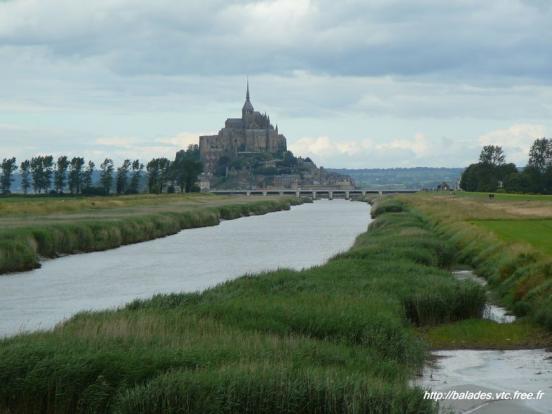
[(247, 107)]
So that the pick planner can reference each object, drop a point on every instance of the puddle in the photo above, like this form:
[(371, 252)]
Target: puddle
[(497, 314), (492, 312), (464, 275), (489, 381), (491, 373)]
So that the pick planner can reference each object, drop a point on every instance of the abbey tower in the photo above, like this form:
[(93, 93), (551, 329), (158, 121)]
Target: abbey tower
[(252, 133)]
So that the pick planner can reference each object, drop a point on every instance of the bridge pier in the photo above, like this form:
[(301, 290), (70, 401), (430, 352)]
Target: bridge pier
[(248, 193), (380, 193), (346, 195), (297, 193), (314, 195), (264, 193), (363, 193), (330, 195)]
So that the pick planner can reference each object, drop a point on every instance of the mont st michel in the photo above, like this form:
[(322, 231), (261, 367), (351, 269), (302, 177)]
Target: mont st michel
[(250, 152), (361, 226)]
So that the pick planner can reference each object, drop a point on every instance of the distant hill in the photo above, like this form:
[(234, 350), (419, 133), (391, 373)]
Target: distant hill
[(402, 178)]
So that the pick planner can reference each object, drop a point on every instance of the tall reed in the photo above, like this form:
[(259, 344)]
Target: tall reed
[(333, 338), (520, 274)]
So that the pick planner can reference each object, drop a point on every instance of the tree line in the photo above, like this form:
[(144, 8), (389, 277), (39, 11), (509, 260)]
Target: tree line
[(492, 172), (44, 174)]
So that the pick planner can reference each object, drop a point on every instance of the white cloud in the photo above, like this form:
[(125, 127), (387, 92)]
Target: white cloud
[(419, 145), (515, 140), (119, 142), (184, 139), (120, 148), (369, 153), (323, 146), (23, 144), (319, 146)]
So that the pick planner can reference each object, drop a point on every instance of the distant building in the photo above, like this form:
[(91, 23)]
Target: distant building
[(252, 133), (203, 182), (443, 187), (286, 181), (250, 153)]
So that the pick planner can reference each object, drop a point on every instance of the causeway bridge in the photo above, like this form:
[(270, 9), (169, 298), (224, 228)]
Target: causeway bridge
[(329, 193)]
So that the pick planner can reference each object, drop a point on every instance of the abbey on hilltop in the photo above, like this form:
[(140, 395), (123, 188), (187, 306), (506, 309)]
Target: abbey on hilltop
[(252, 133), (250, 153)]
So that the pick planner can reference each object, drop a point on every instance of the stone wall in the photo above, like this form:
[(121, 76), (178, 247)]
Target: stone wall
[(232, 140)]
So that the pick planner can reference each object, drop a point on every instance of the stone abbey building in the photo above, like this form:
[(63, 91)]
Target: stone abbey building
[(252, 133)]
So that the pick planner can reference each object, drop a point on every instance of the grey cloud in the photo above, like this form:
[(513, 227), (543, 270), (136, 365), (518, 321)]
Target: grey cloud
[(460, 38), (71, 71)]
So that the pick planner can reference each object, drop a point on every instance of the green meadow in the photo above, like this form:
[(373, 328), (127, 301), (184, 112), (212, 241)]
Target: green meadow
[(505, 196), (537, 233), (341, 337)]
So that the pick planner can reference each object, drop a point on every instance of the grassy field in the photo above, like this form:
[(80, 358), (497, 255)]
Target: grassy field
[(342, 337), (507, 240), (537, 233), (15, 210), (485, 334), (505, 196), (35, 227)]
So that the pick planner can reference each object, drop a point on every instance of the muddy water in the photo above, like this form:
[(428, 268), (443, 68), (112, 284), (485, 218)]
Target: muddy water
[(525, 371)]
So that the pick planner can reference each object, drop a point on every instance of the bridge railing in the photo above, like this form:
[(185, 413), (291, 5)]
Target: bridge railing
[(329, 192)]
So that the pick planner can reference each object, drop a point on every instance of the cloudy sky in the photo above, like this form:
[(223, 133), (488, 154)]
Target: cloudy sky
[(351, 83)]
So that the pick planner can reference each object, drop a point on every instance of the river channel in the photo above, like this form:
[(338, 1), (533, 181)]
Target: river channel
[(191, 260)]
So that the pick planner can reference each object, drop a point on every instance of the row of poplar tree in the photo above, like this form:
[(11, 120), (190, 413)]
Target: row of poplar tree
[(44, 174)]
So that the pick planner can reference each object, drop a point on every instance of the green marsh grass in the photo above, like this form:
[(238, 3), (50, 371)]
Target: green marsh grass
[(22, 247), (486, 334), (341, 337), (487, 236)]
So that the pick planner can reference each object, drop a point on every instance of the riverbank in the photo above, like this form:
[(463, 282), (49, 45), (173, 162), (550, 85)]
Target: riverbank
[(334, 338), (506, 355), (189, 261), (34, 228), (491, 235)]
